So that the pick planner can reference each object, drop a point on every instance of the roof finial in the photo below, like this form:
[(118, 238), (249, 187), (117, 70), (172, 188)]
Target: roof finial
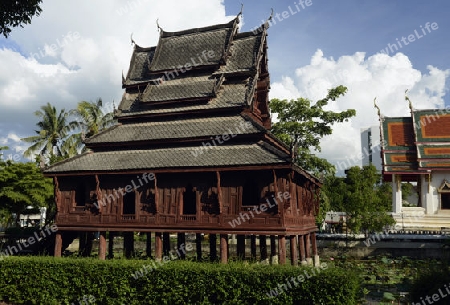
[(376, 107), (242, 9), (271, 15), (123, 78), (131, 38), (409, 101), (157, 25)]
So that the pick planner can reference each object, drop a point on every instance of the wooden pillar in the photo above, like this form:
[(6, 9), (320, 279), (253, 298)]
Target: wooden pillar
[(128, 244), (263, 246), (102, 245), (240, 247), (181, 244), (198, 245), (293, 246), (224, 248), (111, 244), (308, 248), (273, 250), (166, 243), (212, 247), (148, 244), (158, 246), (282, 249), (58, 244), (253, 247), (301, 243)]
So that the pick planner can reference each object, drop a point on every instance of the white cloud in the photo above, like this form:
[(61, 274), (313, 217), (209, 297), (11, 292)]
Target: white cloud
[(77, 51), (382, 76)]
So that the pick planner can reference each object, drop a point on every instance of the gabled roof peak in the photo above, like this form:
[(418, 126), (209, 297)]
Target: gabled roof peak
[(228, 25)]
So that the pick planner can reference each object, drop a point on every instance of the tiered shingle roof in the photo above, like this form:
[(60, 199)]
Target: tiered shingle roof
[(416, 144), (197, 100)]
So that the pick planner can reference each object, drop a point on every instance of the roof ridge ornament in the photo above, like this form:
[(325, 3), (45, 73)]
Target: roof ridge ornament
[(376, 107), (409, 101), (242, 9), (132, 40), (157, 26)]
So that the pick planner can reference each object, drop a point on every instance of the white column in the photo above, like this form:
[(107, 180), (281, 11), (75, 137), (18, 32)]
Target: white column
[(427, 194), (396, 194)]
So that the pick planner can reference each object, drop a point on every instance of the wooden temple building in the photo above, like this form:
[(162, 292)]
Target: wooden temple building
[(192, 153), (417, 149)]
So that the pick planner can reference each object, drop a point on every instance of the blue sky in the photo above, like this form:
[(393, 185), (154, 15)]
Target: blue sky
[(344, 27), (312, 49)]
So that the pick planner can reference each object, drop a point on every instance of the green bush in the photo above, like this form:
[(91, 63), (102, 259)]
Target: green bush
[(429, 282), (48, 280)]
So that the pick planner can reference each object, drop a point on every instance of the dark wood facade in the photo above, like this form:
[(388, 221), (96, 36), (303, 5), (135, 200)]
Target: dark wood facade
[(192, 152)]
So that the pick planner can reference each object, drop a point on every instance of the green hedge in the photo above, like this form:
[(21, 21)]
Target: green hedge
[(48, 280), (434, 281)]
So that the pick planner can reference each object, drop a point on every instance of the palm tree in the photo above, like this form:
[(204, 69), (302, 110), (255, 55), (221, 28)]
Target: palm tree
[(91, 119), (53, 130)]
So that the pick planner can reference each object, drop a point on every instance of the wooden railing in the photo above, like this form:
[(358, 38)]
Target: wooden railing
[(188, 217)]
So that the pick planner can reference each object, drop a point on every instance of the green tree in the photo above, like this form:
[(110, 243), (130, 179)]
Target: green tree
[(14, 13), (366, 210), (54, 129), (91, 118), (302, 124), (22, 185)]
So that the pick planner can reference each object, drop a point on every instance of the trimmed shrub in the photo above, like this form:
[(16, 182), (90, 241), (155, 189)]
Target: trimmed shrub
[(48, 280)]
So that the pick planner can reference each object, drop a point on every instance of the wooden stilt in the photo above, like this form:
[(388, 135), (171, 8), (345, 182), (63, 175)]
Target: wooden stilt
[(102, 245), (293, 246), (158, 246), (301, 243), (224, 248), (58, 244), (282, 249)]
